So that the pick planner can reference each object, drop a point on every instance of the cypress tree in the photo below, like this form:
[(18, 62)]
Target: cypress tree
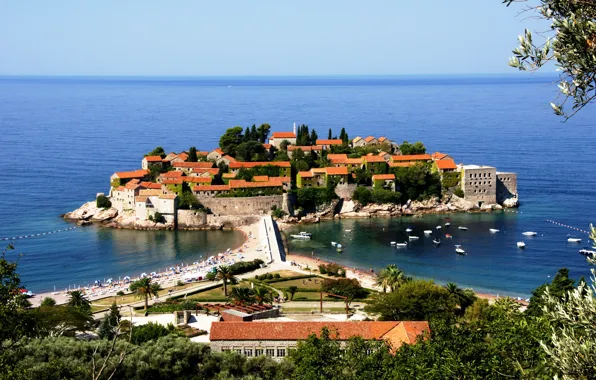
[(254, 135), (192, 154), (330, 134)]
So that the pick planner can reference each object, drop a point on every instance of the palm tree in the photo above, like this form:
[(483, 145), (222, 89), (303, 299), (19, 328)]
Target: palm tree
[(262, 295), (225, 274), (463, 297), (395, 277), (78, 300), (144, 288), (241, 296), (382, 280), (292, 290)]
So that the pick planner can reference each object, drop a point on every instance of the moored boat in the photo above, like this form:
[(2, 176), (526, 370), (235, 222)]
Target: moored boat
[(404, 244), (459, 250), (409, 229), (333, 243), (493, 230), (302, 235), (439, 227), (392, 243), (437, 242), (447, 224), (413, 237), (529, 233), (448, 236), (588, 252), (521, 244), (463, 228), (428, 232), (574, 240)]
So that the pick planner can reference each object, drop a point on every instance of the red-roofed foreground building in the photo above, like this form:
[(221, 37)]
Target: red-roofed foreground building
[(277, 137), (274, 339)]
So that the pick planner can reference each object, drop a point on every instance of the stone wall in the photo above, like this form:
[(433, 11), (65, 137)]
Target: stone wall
[(506, 186), (191, 219), (242, 206), (345, 191)]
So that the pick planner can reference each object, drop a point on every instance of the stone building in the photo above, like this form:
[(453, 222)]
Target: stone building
[(151, 161), (150, 202), (506, 186), (277, 138), (327, 144), (277, 339), (384, 181), (479, 184)]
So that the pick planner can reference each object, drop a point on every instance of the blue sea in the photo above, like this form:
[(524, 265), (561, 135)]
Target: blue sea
[(62, 137)]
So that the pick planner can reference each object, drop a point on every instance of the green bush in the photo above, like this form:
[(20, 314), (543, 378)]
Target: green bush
[(277, 275), (380, 196), (151, 331), (180, 283), (269, 276), (450, 179), (103, 202), (322, 269), (210, 276), (459, 192), (362, 195), (120, 293), (245, 266)]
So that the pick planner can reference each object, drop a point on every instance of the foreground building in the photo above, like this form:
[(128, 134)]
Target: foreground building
[(479, 184), (276, 339)]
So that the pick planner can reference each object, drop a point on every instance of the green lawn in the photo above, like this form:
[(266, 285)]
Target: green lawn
[(305, 283), (314, 296)]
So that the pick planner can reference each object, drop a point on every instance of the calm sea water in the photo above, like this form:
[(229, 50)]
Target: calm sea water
[(63, 137)]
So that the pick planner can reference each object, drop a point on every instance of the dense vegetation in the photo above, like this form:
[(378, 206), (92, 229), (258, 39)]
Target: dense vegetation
[(469, 337)]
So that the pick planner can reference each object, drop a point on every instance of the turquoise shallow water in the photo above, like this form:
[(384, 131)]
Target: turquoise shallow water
[(493, 263), (62, 138)]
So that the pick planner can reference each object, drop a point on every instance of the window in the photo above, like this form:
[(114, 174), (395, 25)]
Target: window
[(225, 349), (270, 352), (248, 352), (281, 352), (258, 351), (238, 350)]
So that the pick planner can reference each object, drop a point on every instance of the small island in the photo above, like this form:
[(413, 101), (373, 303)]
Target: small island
[(297, 177)]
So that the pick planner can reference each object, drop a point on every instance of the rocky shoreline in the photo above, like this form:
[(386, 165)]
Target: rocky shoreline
[(339, 209), (353, 210)]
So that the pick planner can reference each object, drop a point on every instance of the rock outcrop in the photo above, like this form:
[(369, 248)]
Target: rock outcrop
[(511, 202), (90, 212)]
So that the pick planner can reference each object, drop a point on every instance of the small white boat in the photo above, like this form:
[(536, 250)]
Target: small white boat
[(493, 230), (401, 244), (460, 251), (409, 229), (587, 252), (529, 233), (448, 236), (447, 224), (428, 232), (348, 230), (339, 245), (437, 242), (413, 237), (521, 244), (302, 235), (439, 227), (574, 240), (392, 243), (333, 243), (463, 228)]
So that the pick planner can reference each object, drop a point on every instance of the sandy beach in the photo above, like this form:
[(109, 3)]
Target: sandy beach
[(248, 251)]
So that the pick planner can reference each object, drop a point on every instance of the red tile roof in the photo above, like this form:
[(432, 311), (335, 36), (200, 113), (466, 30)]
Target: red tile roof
[(228, 175), (336, 171), (281, 179), (202, 153), (172, 174), (260, 178), (337, 156), (357, 138), (153, 158), (238, 165), (396, 332), (369, 138), (183, 156), (242, 184), (446, 164), (200, 165), (168, 196), (197, 179), (211, 188), (304, 148), (218, 150), (229, 158), (438, 155), (133, 174), (383, 177), (283, 135), (373, 159), (401, 164), (267, 146), (412, 157), (212, 171), (352, 161), (382, 138), (306, 174), (330, 142), (151, 185), (172, 181)]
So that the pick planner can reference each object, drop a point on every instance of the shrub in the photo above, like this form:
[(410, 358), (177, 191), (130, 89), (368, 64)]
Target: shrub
[(269, 276), (380, 196), (278, 213), (158, 217), (245, 266), (459, 192), (322, 269), (450, 179), (48, 301), (180, 283), (103, 202), (120, 293), (210, 276), (151, 331), (362, 195), (277, 275)]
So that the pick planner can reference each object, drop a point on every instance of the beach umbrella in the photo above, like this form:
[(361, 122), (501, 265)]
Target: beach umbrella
[(143, 275)]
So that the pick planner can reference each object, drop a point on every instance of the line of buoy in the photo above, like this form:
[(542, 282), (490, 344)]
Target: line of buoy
[(567, 226), (513, 211), (37, 235)]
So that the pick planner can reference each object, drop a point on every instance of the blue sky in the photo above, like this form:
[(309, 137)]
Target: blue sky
[(259, 37)]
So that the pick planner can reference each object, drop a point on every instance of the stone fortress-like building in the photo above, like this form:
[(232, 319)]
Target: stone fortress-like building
[(484, 185)]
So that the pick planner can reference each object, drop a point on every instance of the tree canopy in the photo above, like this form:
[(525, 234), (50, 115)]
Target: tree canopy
[(570, 44)]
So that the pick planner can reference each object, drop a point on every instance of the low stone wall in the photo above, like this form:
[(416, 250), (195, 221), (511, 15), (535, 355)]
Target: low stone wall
[(191, 219), (242, 206)]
